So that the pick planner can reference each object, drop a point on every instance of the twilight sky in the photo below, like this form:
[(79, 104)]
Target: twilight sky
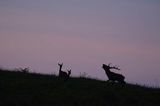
[(83, 34)]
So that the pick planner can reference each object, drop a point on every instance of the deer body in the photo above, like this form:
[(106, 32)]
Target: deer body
[(113, 76)]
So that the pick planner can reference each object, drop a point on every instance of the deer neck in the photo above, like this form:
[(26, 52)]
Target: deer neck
[(107, 71), (60, 69)]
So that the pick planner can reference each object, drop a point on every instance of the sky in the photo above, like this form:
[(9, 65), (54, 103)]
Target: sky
[(83, 34)]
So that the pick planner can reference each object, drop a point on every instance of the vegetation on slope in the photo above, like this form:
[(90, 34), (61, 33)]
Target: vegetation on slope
[(31, 89)]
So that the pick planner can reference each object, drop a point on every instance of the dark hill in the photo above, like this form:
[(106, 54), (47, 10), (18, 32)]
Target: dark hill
[(31, 89)]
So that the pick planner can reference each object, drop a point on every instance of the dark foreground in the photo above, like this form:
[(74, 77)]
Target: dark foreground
[(29, 89)]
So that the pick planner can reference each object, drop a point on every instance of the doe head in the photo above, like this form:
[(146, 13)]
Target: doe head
[(69, 72), (60, 64)]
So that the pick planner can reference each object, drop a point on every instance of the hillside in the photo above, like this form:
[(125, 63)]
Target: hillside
[(31, 89)]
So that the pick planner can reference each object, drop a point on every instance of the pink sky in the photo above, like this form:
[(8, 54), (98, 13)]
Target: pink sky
[(83, 35)]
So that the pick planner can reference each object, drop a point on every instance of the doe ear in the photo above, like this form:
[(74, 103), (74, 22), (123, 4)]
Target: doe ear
[(60, 64)]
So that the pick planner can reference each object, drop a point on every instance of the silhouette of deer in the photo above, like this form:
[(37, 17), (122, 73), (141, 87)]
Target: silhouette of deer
[(69, 73), (63, 74), (113, 76)]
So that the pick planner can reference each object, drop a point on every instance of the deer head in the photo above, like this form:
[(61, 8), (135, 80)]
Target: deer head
[(60, 64), (110, 67)]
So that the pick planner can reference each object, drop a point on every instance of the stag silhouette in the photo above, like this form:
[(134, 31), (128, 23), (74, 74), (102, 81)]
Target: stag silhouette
[(63, 74), (113, 76)]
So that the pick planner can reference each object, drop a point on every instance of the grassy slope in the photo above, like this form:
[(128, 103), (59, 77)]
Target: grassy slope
[(24, 89)]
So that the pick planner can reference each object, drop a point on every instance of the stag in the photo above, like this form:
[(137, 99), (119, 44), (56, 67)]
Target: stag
[(63, 74), (113, 76)]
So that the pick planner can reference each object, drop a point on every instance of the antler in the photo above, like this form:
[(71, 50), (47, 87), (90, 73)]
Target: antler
[(109, 64), (116, 68), (113, 67)]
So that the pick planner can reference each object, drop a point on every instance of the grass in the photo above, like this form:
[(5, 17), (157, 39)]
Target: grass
[(31, 89)]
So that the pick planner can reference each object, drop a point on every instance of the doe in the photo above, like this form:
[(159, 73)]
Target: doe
[(63, 74)]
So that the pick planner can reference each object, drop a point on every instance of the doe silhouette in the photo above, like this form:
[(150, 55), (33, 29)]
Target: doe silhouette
[(113, 76), (63, 74)]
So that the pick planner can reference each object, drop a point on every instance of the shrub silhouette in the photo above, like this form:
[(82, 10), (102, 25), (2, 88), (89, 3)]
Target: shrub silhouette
[(113, 76)]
